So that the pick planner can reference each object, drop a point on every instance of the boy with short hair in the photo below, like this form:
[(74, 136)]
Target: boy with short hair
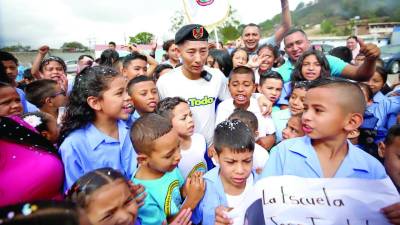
[(389, 150), (48, 96), (144, 95), (228, 184), (193, 145), (133, 65), (241, 85), (329, 116), (260, 156), (271, 84), (158, 154)]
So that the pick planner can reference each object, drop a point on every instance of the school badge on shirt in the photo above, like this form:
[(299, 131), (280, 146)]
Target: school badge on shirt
[(204, 2)]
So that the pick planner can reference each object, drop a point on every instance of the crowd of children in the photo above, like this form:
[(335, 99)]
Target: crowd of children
[(128, 141)]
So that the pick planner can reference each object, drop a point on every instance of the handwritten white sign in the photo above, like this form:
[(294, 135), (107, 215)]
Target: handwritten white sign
[(294, 200)]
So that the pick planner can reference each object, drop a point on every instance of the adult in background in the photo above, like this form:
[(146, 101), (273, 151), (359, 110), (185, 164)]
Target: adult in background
[(251, 34), (352, 43), (296, 42)]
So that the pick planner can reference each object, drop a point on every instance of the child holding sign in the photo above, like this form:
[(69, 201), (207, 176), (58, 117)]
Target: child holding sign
[(329, 116)]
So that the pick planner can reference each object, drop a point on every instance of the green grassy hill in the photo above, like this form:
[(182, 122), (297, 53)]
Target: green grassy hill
[(338, 11)]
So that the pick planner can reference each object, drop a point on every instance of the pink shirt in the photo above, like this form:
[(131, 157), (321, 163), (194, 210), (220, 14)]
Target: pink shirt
[(28, 173)]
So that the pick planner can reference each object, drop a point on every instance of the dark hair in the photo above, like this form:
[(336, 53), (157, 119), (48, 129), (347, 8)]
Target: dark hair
[(6, 56), (226, 136), (357, 102), (147, 129), (270, 74), (3, 76), (273, 49), (292, 31), (325, 69), (107, 57), (368, 89), (239, 49), (251, 25), (159, 69), (39, 90), (168, 44), (382, 72), (243, 70), (92, 81), (90, 182), (41, 213), (44, 117), (28, 75), (83, 56), (352, 37), (393, 132), (112, 43), (223, 59), (19, 132), (246, 117), (133, 56), (167, 105), (46, 62), (138, 79), (343, 53)]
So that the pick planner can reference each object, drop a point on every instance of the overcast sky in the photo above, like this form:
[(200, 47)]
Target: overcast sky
[(54, 22)]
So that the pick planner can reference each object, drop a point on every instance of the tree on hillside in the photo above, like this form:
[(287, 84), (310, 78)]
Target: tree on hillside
[(142, 38), (16, 48), (230, 29), (327, 26), (73, 45)]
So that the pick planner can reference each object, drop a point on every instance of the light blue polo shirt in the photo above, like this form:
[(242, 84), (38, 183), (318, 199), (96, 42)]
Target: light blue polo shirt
[(88, 148), (393, 111), (297, 157), (336, 66), (280, 119)]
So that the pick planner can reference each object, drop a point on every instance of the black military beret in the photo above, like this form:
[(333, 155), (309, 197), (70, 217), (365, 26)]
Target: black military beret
[(191, 32)]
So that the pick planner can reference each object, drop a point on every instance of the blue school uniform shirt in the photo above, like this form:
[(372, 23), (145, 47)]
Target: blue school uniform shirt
[(214, 196), (336, 66), (88, 148), (380, 108), (27, 106), (284, 98), (394, 109), (298, 157), (163, 197), (280, 119)]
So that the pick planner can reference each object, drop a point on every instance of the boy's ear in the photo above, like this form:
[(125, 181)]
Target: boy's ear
[(355, 120), (45, 134), (48, 100), (354, 134), (94, 103), (381, 149), (142, 159)]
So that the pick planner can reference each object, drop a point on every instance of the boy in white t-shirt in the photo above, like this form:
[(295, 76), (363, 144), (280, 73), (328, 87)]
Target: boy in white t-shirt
[(260, 155), (241, 87), (193, 145)]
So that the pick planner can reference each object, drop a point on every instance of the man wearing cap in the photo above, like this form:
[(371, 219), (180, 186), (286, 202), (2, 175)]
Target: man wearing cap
[(199, 85)]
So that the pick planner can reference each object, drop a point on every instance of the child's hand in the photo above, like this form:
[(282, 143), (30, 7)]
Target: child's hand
[(254, 62), (138, 191), (183, 218), (43, 50), (221, 218), (371, 51), (392, 213), (194, 188), (265, 105)]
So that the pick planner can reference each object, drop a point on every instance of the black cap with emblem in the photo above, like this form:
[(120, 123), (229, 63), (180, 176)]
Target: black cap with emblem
[(191, 32)]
